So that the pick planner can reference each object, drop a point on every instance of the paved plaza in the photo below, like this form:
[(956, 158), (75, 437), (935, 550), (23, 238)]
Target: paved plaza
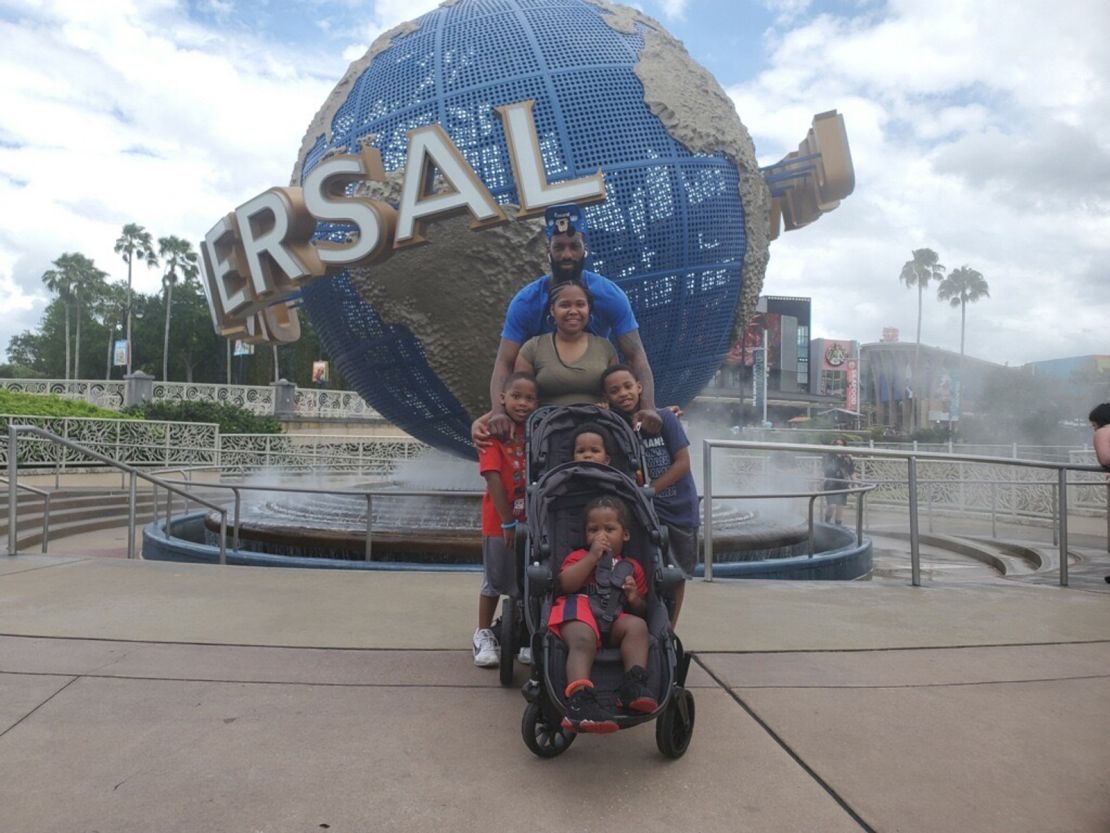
[(146, 696)]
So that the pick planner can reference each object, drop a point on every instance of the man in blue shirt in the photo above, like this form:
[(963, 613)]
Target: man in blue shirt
[(611, 317)]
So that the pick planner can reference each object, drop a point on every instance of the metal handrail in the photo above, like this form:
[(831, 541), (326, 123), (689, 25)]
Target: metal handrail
[(812, 500), (13, 442), (45, 495), (911, 458), (368, 494)]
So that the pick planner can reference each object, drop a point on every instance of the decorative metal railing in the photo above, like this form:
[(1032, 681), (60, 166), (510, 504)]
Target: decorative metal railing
[(364, 455), (132, 441), (258, 399), (965, 487), (110, 394), (343, 404), (962, 484)]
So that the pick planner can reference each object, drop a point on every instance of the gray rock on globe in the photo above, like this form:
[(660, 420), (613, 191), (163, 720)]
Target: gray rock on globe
[(683, 228)]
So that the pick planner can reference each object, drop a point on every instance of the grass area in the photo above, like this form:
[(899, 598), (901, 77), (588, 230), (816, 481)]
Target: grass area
[(51, 405)]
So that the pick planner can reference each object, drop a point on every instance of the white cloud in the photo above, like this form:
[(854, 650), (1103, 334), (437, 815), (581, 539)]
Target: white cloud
[(674, 9), (979, 130), (129, 112), (386, 15)]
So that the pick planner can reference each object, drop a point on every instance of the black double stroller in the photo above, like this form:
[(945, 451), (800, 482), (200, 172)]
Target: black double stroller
[(558, 492)]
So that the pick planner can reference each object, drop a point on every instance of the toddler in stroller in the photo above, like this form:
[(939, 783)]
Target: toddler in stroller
[(602, 597), (600, 667)]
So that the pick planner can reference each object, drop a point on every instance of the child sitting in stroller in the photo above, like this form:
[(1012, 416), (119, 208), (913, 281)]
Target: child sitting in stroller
[(601, 598)]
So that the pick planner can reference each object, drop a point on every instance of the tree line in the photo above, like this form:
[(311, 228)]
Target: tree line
[(170, 333)]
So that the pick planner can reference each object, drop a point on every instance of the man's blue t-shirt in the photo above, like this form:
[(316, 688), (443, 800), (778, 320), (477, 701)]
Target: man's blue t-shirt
[(611, 315), (677, 505)]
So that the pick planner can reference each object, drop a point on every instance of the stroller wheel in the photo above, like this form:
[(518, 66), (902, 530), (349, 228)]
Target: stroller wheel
[(675, 725), (508, 640), (543, 736)]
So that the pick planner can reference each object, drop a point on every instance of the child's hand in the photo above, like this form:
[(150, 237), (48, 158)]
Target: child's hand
[(631, 592), (600, 545), (509, 537)]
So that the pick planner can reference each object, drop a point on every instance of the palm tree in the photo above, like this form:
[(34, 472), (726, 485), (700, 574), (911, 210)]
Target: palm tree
[(918, 272), (85, 282), (57, 281), (962, 287), (133, 243), (178, 256)]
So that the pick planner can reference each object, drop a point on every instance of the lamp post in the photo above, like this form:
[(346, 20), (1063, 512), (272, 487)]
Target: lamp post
[(759, 378)]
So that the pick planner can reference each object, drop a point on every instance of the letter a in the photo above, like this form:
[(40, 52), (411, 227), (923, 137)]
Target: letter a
[(532, 187), (431, 149)]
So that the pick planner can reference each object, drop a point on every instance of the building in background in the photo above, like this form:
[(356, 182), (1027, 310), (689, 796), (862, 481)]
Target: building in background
[(791, 371), (835, 368), (940, 393), (1093, 365)]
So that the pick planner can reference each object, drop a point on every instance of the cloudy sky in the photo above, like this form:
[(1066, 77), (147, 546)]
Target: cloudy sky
[(980, 129)]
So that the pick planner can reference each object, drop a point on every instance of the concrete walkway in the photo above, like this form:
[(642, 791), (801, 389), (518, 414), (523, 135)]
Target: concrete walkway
[(144, 696)]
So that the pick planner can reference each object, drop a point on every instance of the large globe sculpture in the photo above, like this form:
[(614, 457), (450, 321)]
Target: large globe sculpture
[(683, 229)]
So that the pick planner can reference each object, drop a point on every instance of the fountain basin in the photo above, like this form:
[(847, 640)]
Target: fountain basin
[(837, 558)]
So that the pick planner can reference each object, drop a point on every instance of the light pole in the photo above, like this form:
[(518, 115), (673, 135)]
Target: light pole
[(759, 378)]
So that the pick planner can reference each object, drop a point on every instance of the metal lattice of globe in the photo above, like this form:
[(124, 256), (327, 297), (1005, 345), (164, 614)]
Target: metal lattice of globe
[(682, 230)]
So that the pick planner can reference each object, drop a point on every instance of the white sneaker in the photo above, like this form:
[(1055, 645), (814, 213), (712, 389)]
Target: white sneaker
[(487, 653), (524, 656)]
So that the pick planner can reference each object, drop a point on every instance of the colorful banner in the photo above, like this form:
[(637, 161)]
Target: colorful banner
[(753, 339), (119, 353), (319, 373), (851, 396)]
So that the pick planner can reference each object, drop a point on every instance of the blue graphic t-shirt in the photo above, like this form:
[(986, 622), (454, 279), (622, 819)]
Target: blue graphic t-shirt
[(611, 315), (677, 505)]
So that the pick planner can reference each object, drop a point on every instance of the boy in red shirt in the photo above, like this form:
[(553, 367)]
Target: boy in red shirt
[(598, 583), (503, 466)]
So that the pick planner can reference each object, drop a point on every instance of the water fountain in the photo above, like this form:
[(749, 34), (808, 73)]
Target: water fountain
[(416, 531)]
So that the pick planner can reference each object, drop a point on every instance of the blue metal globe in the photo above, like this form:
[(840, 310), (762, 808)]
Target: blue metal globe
[(672, 231)]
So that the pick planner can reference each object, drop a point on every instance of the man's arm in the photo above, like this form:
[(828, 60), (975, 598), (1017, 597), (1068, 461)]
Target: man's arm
[(499, 423), (633, 350)]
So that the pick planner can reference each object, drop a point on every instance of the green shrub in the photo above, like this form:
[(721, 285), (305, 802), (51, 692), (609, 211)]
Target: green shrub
[(231, 418), (50, 405)]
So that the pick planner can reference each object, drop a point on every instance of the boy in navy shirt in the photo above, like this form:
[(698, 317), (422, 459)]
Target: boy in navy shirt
[(667, 457)]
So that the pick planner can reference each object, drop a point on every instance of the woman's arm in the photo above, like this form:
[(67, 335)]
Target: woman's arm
[(499, 423), (522, 365)]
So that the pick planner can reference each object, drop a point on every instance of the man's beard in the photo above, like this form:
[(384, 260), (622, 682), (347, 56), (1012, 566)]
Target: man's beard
[(563, 274)]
